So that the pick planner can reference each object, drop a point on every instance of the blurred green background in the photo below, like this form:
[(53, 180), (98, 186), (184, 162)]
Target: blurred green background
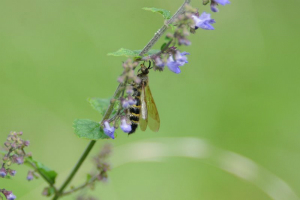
[(237, 100)]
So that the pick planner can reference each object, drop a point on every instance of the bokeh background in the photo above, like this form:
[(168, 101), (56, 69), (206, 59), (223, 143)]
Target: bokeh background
[(229, 122)]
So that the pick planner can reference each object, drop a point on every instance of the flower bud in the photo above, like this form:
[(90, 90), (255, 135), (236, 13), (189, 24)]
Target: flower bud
[(12, 172), (29, 175), (7, 144), (26, 143)]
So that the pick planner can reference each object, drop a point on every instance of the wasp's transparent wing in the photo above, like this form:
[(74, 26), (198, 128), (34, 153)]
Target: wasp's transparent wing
[(153, 117), (144, 113)]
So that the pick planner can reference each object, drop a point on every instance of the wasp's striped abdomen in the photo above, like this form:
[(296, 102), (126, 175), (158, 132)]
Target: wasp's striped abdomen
[(134, 110)]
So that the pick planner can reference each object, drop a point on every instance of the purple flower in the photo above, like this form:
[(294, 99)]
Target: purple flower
[(214, 3), (3, 172), (131, 101), (204, 21), (19, 160), (124, 126), (108, 130), (181, 59), (184, 41), (159, 62), (12, 172), (125, 103), (9, 195), (222, 2)]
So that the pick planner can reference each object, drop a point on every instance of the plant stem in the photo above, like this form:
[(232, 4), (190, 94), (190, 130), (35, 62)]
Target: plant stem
[(90, 145), (159, 33), (81, 187), (75, 169), (108, 112)]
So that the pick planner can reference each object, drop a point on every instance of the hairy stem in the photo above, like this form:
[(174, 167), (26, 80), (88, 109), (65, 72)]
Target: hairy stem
[(161, 31), (108, 112), (81, 186)]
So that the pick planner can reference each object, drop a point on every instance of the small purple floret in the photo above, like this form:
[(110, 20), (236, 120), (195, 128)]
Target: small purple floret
[(108, 130), (204, 21), (11, 196), (12, 172), (181, 59), (29, 176), (3, 172), (19, 160), (124, 126), (173, 65), (222, 2), (125, 104), (131, 101), (159, 62), (214, 4)]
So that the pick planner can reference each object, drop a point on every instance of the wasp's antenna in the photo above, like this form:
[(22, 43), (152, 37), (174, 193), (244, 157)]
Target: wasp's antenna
[(149, 67)]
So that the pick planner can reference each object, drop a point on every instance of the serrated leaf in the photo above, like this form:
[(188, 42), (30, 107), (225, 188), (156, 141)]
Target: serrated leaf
[(99, 104), (86, 128), (150, 52), (123, 52), (132, 53), (44, 170), (165, 13)]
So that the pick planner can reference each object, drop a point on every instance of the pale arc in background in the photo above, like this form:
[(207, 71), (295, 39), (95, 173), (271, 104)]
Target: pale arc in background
[(244, 168)]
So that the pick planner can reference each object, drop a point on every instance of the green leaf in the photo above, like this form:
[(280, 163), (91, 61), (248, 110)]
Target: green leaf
[(150, 52), (99, 104), (165, 13), (47, 173), (85, 128), (172, 27), (88, 177), (163, 46), (132, 53), (123, 52), (205, 2)]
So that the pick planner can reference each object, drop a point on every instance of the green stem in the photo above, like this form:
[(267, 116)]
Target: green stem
[(89, 147), (108, 112), (95, 178), (75, 169)]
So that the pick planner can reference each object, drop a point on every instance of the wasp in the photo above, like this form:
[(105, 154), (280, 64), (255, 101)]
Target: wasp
[(144, 112)]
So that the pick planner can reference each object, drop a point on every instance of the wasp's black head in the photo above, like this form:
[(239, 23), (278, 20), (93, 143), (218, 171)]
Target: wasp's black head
[(144, 69)]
